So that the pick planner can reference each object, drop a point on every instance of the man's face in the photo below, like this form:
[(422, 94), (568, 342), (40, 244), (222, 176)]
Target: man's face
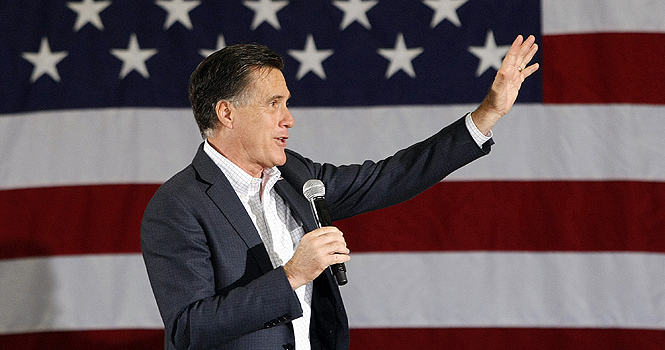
[(262, 123)]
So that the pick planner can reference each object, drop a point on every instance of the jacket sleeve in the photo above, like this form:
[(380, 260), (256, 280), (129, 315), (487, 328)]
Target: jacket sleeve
[(359, 188)]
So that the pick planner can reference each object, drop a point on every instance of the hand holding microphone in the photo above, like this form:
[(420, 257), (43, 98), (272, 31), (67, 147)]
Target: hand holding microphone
[(320, 248), (315, 192)]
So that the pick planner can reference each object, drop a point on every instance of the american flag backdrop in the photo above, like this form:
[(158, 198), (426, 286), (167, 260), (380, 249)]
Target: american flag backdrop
[(556, 240)]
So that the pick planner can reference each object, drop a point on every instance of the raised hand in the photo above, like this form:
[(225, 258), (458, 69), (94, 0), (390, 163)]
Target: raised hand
[(507, 83)]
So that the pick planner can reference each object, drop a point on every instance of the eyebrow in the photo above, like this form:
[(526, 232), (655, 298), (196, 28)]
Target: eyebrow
[(278, 97)]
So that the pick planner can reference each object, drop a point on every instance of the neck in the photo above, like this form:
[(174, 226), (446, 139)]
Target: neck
[(228, 153)]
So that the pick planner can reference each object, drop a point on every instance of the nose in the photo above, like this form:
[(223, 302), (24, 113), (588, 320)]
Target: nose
[(287, 119)]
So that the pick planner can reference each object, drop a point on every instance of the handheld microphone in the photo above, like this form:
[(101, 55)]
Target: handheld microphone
[(315, 192)]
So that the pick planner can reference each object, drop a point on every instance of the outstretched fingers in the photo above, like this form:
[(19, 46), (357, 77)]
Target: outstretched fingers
[(527, 50), (512, 57), (519, 55)]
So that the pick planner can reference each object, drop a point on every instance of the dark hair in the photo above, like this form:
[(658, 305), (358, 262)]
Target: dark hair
[(225, 75)]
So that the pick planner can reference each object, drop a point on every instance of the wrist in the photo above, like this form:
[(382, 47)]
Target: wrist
[(293, 277), (484, 119)]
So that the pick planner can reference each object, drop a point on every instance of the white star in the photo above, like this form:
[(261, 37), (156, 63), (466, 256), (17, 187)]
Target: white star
[(133, 58), (355, 10), (44, 61), (265, 11), (445, 9), (400, 57), (490, 55), (88, 12), (178, 11), (310, 59), (220, 45)]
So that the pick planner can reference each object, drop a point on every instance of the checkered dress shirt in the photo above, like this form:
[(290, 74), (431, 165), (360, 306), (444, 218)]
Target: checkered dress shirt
[(279, 230)]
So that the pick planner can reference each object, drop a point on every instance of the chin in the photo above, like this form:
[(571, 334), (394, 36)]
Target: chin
[(280, 160)]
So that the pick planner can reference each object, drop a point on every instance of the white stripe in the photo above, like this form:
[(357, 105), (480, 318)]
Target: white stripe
[(596, 290), (76, 293), (602, 16), (100, 146), (385, 290), (575, 142), (534, 142)]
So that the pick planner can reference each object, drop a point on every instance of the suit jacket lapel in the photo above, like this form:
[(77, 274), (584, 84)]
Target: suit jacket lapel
[(225, 198)]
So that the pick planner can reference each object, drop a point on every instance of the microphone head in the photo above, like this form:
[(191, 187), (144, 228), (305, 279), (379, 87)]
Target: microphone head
[(313, 188)]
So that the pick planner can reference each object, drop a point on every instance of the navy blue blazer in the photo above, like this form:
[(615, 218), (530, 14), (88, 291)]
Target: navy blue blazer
[(210, 272)]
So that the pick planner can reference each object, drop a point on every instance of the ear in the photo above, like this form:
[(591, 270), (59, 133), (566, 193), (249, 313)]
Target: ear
[(223, 109)]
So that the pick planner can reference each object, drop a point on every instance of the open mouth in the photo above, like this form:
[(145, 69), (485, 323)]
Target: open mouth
[(282, 140)]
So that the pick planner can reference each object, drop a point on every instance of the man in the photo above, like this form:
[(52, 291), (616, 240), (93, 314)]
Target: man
[(230, 244)]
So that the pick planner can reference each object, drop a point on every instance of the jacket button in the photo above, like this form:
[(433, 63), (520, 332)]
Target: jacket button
[(289, 346)]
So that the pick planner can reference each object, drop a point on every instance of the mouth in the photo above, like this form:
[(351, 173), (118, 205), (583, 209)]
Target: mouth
[(282, 140)]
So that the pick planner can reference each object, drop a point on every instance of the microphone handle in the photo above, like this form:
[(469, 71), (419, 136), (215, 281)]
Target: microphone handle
[(322, 214)]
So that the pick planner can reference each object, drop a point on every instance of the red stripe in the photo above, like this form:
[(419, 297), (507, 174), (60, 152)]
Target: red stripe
[(367, 339), (72, 220), (126, 339), (604, 68), (509, 216), (506, 338), (538, 216)]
